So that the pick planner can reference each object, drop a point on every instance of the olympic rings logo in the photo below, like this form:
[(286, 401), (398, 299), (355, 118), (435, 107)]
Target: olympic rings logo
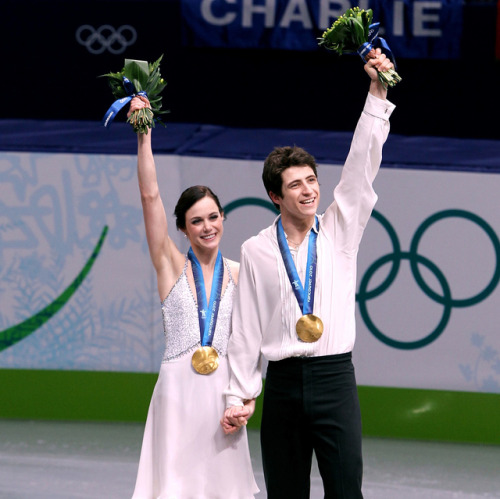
[(106, 37), (445, 298)]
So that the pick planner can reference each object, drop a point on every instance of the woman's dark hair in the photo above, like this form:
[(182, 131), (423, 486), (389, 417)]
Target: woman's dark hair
[(188, 198), (279, 160)]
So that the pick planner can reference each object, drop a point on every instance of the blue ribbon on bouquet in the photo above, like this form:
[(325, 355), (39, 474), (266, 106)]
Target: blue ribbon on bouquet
[(374, 41), (116, 107)]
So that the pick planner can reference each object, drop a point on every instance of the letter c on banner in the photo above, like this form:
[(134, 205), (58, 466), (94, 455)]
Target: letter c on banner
[(206, 12)]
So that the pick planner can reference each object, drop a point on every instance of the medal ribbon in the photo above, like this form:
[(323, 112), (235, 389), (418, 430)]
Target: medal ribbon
[(118, 104), (207, 315), (374, 41), (304, 294)]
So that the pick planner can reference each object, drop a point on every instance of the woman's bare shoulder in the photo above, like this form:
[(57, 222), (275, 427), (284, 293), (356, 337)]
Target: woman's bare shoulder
[(235, 269)]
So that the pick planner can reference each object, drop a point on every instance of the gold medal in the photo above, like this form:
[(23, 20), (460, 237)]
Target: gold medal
[(205, 360), (309, 328)]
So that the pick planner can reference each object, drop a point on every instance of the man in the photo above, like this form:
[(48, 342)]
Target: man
[(296, 307)]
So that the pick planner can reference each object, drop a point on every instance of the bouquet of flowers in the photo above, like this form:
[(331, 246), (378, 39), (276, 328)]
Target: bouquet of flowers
[(137, 78), (352, 33)]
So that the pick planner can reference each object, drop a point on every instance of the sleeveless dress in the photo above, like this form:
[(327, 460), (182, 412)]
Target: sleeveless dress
[(185, 453)]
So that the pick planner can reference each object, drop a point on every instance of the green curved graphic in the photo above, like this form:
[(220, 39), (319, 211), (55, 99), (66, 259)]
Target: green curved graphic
[(250, 201), (14, 334)]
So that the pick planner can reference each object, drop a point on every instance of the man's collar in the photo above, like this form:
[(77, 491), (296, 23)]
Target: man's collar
[(314, 227)]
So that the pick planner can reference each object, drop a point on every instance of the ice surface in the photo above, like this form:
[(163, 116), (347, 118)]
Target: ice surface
[(72, 460)]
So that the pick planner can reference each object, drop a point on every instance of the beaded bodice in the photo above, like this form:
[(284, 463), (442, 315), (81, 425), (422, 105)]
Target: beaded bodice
[(180, 319)]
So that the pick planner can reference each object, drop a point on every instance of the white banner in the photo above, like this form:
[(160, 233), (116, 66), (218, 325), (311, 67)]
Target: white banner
[(53, 210), (428, 301), (436, 321)]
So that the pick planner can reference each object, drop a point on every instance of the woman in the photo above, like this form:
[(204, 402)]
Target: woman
[(185, 453)]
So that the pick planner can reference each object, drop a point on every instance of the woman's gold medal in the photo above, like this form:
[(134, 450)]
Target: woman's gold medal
[(205, 360), (309, 328)]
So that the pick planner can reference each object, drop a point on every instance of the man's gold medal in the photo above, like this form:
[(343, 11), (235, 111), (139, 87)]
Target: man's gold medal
[(309, 328), (205, 360)]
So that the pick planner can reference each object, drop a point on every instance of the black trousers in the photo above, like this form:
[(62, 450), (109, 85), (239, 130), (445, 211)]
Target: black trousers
[(311, 404)]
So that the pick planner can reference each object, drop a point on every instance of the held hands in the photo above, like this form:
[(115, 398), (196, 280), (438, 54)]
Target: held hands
[(237, 416)]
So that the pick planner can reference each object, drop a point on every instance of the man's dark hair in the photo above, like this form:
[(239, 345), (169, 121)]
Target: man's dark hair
[(279, 160)]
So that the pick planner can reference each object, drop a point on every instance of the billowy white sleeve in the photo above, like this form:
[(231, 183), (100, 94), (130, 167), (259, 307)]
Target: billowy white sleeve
[(354, 197), (244, 348)]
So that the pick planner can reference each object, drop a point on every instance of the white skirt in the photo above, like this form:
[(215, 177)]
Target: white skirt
[(185, 453)]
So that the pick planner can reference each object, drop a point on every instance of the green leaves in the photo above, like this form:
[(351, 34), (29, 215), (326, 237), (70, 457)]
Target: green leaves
[(142, 120), (137, 72), (348, 33), (389, 78), (145, 77)]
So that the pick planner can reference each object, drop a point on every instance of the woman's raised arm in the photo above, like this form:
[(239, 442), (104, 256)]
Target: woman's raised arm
[(164, 254)]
